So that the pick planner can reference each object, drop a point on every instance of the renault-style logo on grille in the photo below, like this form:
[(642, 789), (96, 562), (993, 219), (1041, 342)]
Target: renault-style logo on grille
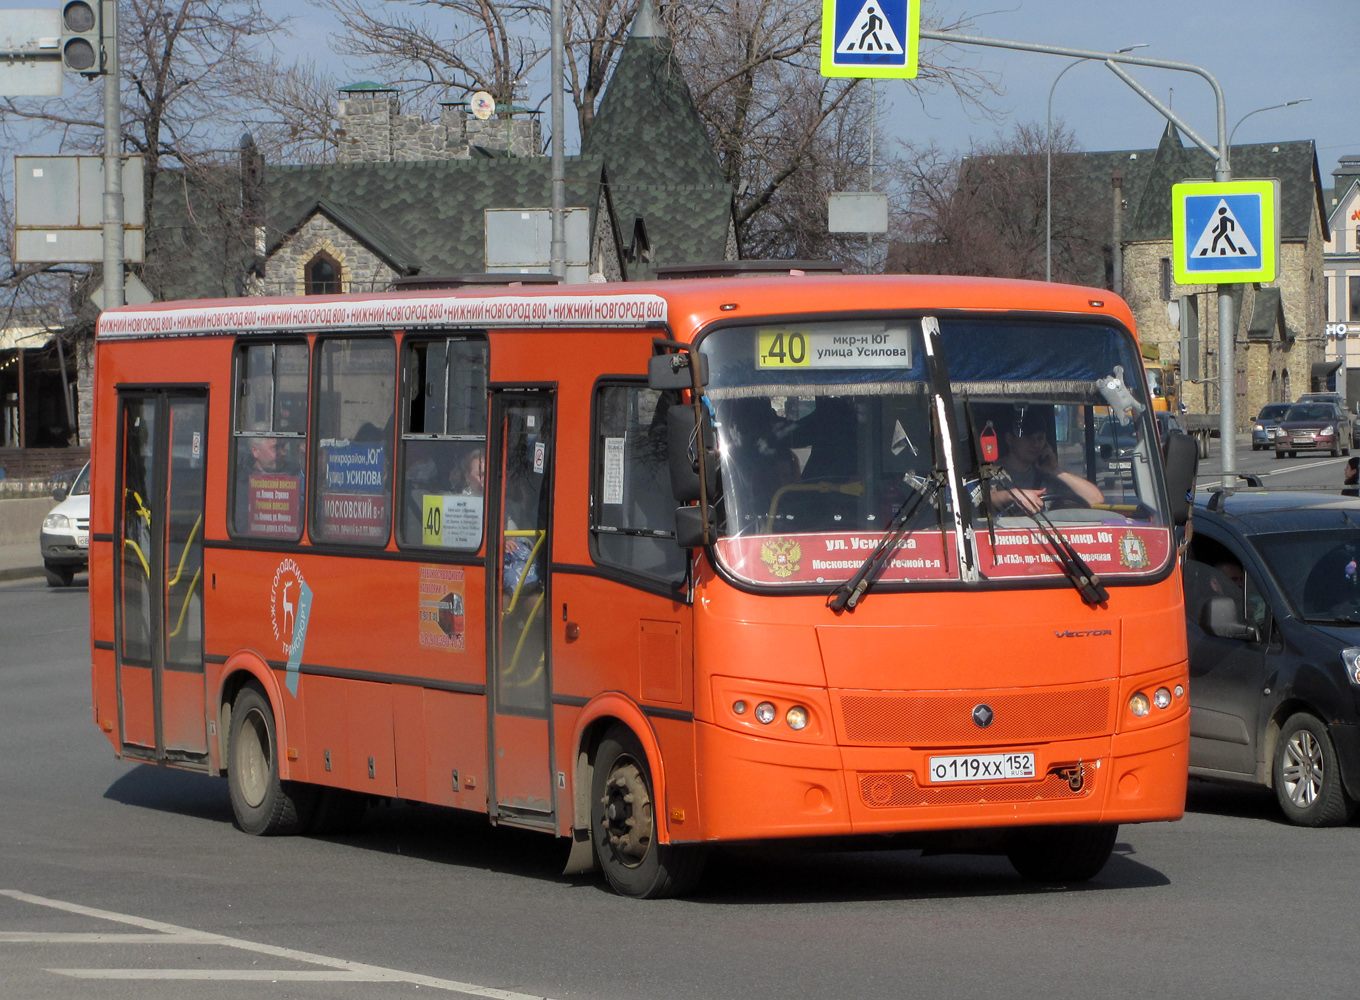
[(983, 716)]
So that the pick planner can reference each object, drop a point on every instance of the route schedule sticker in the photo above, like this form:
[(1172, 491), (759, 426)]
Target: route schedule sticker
[(839, 349), (1225, 233)]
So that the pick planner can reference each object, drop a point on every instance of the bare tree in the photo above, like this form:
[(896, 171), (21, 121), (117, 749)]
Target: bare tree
[(985, 213)]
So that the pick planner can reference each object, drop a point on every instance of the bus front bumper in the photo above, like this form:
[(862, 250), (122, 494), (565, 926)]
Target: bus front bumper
[(753, 788)]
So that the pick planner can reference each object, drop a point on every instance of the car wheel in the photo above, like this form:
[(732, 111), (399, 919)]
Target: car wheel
[(1307, 775), (58, 576), (1279, 454), (1063, 853), (1293, 453), (623, 825), (1336, 452), (264, 805)]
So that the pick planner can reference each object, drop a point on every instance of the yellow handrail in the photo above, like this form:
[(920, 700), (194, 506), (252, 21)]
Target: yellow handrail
[(849, 489), (146, 568), (523, 636), (533, 554), (189, 544), (184, 609)]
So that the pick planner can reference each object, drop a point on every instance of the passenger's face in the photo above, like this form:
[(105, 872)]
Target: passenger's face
[(265, 451), (475, 472)]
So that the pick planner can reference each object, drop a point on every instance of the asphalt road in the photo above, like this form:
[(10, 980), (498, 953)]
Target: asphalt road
[(125, 881)]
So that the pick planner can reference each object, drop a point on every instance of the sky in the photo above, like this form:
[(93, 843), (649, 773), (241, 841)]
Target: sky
[(1262, 52)]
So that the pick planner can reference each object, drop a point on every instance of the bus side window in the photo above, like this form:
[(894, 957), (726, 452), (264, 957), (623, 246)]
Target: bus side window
[(441, 501), (269, 442), (355, 390), (632, 517)]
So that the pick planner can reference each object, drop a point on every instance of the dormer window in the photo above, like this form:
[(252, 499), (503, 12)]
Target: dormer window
[(321, 275)]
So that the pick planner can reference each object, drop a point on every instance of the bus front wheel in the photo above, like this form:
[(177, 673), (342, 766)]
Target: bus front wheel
[(623, 825), (1063, 853), (264, 805)]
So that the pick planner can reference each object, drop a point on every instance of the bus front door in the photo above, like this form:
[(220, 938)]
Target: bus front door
[(161, 693), (519, 664)]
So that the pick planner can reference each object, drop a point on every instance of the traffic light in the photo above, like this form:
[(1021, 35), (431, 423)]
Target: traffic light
[(82, 45)]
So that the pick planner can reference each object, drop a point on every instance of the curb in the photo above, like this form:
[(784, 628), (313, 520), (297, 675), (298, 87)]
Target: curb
[(21, 573)]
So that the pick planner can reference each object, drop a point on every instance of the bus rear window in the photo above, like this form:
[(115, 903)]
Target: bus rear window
[(355, 389), (269, 441)]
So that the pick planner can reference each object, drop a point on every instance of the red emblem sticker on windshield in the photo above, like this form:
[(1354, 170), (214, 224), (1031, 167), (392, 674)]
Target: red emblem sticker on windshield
[(1133, 552)]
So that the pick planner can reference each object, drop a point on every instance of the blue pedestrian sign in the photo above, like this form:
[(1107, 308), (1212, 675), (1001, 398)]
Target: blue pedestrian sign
[(1225, 233), (871, 38)]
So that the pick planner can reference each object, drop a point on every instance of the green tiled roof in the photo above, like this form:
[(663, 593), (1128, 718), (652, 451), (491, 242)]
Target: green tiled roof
[(660, 162), (431, 212)]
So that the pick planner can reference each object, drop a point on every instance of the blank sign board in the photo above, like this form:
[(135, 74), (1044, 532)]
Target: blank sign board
[(30, 31), (857, 212)]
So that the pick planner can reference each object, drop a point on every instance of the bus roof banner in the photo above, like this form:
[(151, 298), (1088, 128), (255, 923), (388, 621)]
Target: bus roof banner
[(380, 313)]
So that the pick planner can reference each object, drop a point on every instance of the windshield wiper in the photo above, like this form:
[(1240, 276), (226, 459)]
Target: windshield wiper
[(1074, 567), (847, 595), (1351, 619)]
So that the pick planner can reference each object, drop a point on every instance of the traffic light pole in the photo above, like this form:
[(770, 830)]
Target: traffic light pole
[(113, 162), (1115, 61)]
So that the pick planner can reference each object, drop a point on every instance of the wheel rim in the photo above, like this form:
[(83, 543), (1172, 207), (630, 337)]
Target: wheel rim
[(627, 815), (1304, 769), (252, 758)]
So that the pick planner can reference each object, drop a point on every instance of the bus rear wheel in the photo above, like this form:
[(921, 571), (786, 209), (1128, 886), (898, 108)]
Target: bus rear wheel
[(264, 805), (1059, 854), (623, 825)]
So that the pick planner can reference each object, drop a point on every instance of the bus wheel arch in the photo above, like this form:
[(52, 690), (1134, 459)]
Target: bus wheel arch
[(241, 669), (599, 715)]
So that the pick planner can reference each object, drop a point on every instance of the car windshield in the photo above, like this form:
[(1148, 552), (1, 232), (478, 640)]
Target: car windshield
[(1316, 571), (1301, 412), (1274, 411), (81, 487), (827, 430)]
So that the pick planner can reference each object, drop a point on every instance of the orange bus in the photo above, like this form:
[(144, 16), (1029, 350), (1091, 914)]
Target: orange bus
[(649, 567)]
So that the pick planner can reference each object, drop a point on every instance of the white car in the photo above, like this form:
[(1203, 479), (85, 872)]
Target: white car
[(66, 532)]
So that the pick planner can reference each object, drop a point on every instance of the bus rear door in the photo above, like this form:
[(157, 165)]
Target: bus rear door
[(519, 661), (161, 693)]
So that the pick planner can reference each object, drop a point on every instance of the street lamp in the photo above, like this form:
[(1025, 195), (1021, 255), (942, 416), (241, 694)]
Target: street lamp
[(1048, 142), (1273, 107)]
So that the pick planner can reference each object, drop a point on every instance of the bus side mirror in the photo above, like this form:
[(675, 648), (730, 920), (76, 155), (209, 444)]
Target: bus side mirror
[(671, 371), (682, 447), (1221, 617), (689, 527), (1181, 458)]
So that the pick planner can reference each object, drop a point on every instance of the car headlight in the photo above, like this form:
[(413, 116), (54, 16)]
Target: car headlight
[(1258, 427), (55, 522), (1350, 659), (1329, 430)]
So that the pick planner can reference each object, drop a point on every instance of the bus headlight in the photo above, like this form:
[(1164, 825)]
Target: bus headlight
[(739, 707), (1139, 705), (765, 713), (796, 717), (1350, 658), (1161, 698)]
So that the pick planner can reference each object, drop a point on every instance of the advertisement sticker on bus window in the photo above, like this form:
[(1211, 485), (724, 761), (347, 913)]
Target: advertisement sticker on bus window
[(540, 457), (354, 515), (613, 470), (870, 347), (355, 468), (442, 609), (452, 521), (273, 504), (818, 558)]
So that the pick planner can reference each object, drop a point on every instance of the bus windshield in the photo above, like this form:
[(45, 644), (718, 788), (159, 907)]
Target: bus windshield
[(827, 431)]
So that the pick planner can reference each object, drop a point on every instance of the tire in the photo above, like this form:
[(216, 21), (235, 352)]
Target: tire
[(264, 805), (1336, 453), (623, 825), (1062, 854), (58, 576), (1307, 775), (1293, 453), (1279, 454)]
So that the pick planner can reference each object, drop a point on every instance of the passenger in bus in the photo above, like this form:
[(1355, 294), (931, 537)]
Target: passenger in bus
[(1031, 475), (468, 477), (268, 456), (755, 461)]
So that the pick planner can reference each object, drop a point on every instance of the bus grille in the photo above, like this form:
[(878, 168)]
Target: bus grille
[(893, 790), (946, 718)]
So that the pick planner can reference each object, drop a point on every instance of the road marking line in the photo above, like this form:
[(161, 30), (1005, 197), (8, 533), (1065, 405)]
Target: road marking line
[(39, 937), (291, 954), (1216, 476), (235, 975)]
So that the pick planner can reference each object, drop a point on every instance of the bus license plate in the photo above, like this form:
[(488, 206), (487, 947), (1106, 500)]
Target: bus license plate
[(982, 767)]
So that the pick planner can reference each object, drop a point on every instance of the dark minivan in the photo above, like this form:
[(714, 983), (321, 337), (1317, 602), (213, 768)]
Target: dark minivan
[(1272, 601)]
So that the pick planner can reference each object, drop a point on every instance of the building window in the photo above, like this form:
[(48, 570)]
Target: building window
[(1164, 278), (1353, 314), (321, 275)]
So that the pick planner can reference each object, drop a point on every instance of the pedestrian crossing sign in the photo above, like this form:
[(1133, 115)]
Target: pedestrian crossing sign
[(870, 38), (1225, 233)]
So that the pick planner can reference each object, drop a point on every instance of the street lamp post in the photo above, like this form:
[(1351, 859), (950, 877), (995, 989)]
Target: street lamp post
[(1048, 169), (1273, 107)]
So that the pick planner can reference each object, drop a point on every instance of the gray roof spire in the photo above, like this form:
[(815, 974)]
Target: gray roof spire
[(646, 23)]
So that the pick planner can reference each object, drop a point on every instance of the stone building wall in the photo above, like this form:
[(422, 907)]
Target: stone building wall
[(1264, 372), (361, 270), (372, 129)]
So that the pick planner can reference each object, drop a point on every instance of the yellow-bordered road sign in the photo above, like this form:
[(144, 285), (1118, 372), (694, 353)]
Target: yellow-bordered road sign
[(871, 38), (1225, 233)]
